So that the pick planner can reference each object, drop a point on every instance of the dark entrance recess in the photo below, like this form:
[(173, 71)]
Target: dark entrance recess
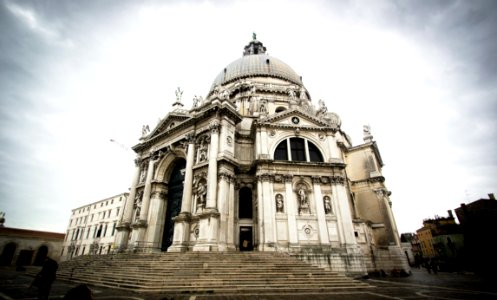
[(175, 194), (245, 203), (246, 243)]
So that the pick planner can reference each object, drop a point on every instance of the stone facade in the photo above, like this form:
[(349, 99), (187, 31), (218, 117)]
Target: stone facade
[(255, 166), (92, 228)]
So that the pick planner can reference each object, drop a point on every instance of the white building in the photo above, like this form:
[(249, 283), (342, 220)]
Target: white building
[(92, 228), (257, 166)]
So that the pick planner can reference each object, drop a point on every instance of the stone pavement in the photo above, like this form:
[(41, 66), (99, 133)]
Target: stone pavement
[(420, 285)]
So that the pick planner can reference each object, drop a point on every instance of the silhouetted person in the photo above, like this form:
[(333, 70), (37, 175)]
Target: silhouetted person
[(44, 279), (79, 292)]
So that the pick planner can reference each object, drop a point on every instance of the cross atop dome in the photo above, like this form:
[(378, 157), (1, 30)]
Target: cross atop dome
[(254, 47)]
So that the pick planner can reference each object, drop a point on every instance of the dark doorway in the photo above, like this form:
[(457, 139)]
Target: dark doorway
[(174, 197), (246, 243), (8, 254), (25, 257), (245, 209), (41, 255)]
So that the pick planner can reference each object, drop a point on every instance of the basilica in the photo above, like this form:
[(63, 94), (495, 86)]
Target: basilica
[(258, 165)]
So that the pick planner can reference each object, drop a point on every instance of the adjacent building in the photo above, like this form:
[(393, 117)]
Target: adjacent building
[(24, 247), (256, 165), (441, 239), (478, 221), (92, 228)]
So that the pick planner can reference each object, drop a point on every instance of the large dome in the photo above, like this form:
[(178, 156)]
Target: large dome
[(255, 62)]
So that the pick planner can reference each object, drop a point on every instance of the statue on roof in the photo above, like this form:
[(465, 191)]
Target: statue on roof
[(254, 36), (179, 94), (145, 130)]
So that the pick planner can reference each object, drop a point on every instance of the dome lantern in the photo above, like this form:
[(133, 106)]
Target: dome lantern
[(254, 47)]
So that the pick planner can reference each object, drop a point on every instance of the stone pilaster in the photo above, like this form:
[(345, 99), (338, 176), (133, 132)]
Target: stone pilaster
[(291, 211), (230, 242), (318, 199), (346, 227), (268, 216)]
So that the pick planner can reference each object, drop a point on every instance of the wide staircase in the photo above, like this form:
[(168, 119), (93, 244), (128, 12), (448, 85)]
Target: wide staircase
[(200, 272)]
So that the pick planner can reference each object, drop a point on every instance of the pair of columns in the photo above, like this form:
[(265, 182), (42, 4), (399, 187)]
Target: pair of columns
[(209, 218)]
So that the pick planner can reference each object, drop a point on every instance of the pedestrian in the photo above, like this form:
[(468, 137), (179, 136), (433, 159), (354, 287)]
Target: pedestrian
[(427, 265), (44, 279), (434, 266), (79, 292)]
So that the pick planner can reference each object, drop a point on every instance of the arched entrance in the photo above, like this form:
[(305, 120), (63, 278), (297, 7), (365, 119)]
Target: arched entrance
[(8, 254), (175, 195), (41, 255)]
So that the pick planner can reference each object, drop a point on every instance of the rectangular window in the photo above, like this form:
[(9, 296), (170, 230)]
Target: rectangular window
[(117, 211), (88, 232), (113, 229)]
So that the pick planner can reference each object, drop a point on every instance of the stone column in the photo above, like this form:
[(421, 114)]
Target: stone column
[(223, 206), (230, 242), (212, 170), (147, 190), (157, 216), (318, 199), (142, 221), (182, 221), (123, 228), (291, 211), (186, 202)]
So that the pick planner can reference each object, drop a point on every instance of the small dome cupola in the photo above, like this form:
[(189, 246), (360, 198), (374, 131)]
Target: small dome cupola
[(254, 47)]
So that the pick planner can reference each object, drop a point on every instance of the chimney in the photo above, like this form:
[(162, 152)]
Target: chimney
[(450, 214), (491, 196)]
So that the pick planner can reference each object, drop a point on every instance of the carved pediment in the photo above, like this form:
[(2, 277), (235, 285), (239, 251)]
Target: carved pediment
[(294, 118), (169, 122)]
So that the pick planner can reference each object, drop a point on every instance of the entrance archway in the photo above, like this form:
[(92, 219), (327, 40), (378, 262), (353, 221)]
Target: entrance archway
[(8, 254), (175, 195)]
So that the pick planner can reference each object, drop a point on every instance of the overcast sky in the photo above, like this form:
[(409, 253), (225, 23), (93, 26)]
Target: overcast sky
[(75, 74)]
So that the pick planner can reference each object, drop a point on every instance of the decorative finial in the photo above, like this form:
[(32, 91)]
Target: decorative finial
[(254, 36)]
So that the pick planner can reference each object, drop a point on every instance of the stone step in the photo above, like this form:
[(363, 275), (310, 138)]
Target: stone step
[(256, 272)]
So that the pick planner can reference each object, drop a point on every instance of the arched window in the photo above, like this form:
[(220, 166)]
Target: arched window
[(314, 153), (297, 149), (281, 152)]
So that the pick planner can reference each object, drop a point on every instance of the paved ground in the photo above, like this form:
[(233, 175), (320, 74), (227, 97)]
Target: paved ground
[(420, 285)]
